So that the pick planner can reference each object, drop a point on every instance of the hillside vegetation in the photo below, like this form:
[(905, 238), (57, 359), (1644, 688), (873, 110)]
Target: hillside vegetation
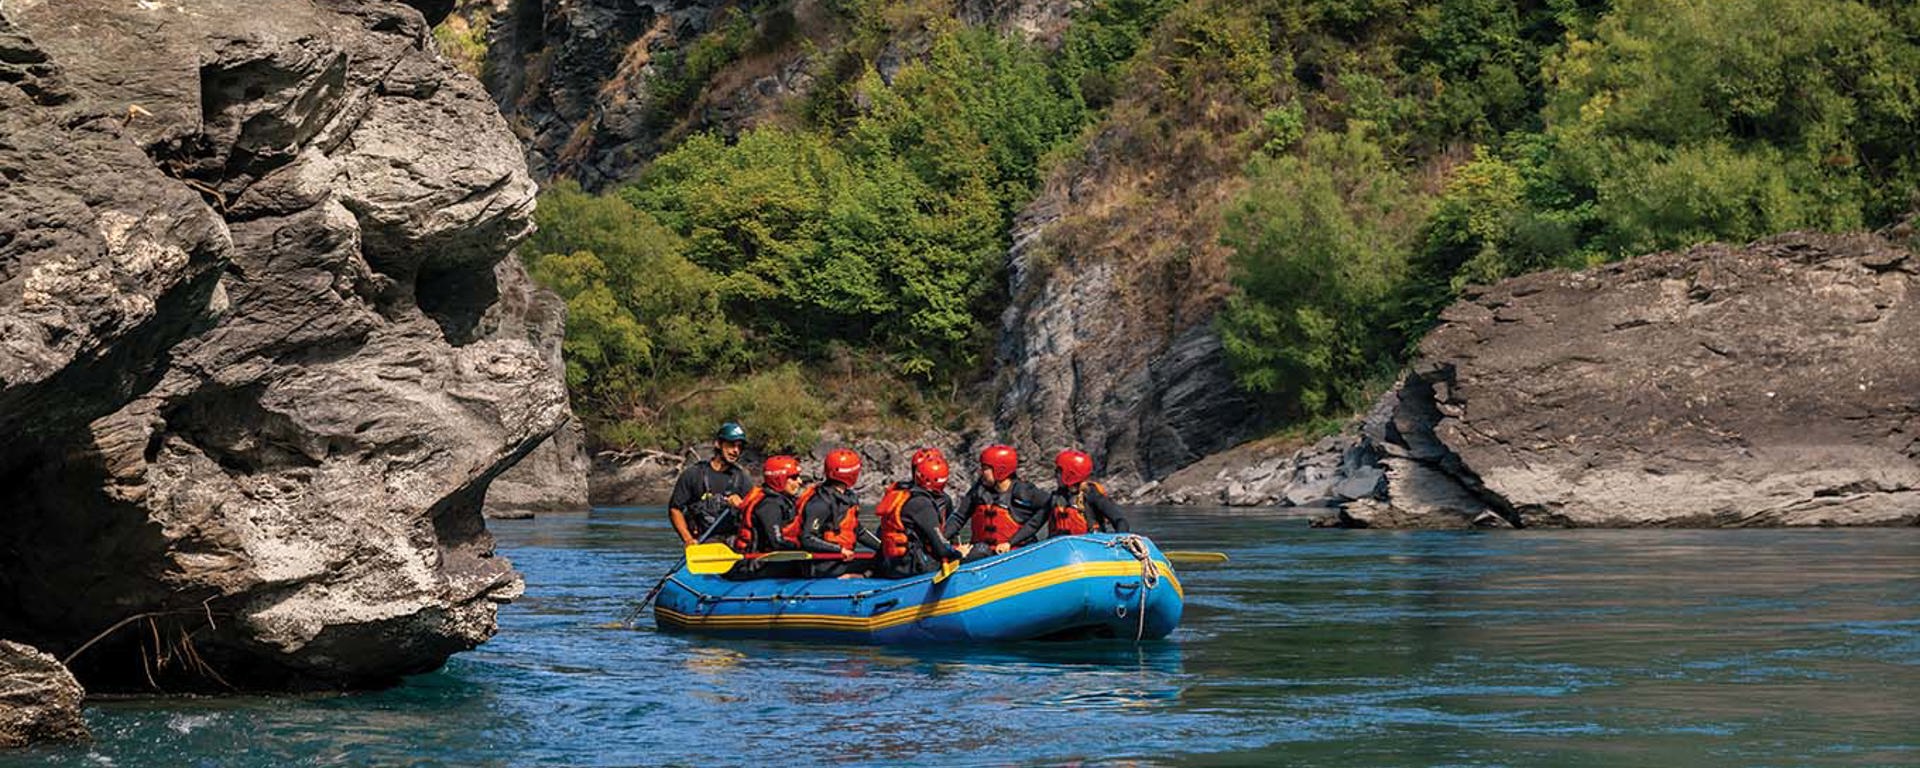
[(1322, 175)]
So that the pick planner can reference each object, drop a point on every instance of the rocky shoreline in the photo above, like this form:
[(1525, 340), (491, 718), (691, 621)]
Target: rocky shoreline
[(1772, 384)]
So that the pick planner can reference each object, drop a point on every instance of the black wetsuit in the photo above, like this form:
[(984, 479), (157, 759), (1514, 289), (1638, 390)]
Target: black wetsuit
[(769, 516), (922, 515), (773, 512), (1022, 499), (701, 495), (1101, 513), (823, 513)]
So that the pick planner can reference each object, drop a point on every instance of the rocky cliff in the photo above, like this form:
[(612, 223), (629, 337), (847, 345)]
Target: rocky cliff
[(576, 78), (1766, 385), (254, 366)]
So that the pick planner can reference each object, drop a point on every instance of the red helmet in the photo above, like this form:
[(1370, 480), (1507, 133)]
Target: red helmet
[(931, 474), (1002, 459), (843, 465), (779, 469), (1074, 466), (927, 453)]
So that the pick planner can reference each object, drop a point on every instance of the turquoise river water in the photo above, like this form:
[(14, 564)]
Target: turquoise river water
[(1333, 648)]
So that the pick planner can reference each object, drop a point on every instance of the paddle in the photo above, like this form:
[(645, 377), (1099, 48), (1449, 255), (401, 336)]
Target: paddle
[(1195, 557), (947, 567), (634, 614), (717, 558)]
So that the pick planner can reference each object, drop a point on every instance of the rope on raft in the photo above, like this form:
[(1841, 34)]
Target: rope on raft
[(1149, 578)]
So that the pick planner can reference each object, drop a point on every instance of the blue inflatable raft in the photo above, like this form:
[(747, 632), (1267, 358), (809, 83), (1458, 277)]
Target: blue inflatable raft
[(1074, 587)]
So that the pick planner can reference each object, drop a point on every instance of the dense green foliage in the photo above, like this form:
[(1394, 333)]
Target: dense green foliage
[(1395, 152), (1593, 132), (880, 226)]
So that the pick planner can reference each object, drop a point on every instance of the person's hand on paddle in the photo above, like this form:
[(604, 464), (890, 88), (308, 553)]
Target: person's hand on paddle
[(735, 500), (1002, 547), (846, 554), (965, 549)]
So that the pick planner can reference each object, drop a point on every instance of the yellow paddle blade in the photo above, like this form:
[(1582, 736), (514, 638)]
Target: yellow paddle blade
[(1195, 557), (947, 567), (711, 559)]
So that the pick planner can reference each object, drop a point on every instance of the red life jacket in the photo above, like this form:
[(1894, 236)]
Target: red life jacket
[(846, 534), (893, 530), (1071, 519), (993, 524), (743, 541)]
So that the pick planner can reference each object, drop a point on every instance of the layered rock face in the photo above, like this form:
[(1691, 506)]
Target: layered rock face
[(1101, 353), (254, 361), (577, 79), (1769, 385), (39, 699)]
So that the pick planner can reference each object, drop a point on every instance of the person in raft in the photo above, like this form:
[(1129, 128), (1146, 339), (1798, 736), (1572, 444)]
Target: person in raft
[(998, 504), (829, 519), (711, 490), (911, 542), (763, 513), (1079, 505)]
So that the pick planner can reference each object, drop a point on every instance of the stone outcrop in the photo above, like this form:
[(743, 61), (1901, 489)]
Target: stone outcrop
[(1768, 385), (1101, 353), (577, 79), (256, 368), (39, 699)]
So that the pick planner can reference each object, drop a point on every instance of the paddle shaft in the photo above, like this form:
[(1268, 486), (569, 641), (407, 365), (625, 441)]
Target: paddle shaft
[(813, 555), (662, 583)]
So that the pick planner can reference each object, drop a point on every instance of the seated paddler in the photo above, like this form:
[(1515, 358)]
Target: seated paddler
[(1078, 504), (829, 519), (769, 507), (910, 539), (999, 503)]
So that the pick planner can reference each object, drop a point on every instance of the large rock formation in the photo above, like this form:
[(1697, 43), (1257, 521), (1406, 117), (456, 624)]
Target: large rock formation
[(1113, 349), (253, 366), (39, 700), (1767, 385)]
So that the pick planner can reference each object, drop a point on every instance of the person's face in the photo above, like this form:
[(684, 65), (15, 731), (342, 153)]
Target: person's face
[(986, 476), (728, 450)]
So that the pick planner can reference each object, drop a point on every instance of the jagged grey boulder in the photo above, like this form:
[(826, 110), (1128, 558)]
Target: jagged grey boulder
[(255, 369), (1775, 384), (39, 699)]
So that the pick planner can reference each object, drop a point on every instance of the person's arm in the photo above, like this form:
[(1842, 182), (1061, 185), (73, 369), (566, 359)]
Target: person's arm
[(1030, 529), (957, 518), (815, 517), (1031, 506), (923, 516), (767, 520), (683, 493), (1104, 507)]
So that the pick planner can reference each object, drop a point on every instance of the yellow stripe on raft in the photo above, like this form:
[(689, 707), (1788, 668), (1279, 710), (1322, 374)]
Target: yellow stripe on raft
[(942, 607)]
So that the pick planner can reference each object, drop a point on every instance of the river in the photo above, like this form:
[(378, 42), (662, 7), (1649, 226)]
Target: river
[(1333, 648)]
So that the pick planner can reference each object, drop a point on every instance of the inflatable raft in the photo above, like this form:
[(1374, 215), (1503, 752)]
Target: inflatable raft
[(1074, 587)]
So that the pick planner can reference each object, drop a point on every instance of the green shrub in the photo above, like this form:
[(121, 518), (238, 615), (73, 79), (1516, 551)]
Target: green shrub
[(1320, 245), (637, 309)]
